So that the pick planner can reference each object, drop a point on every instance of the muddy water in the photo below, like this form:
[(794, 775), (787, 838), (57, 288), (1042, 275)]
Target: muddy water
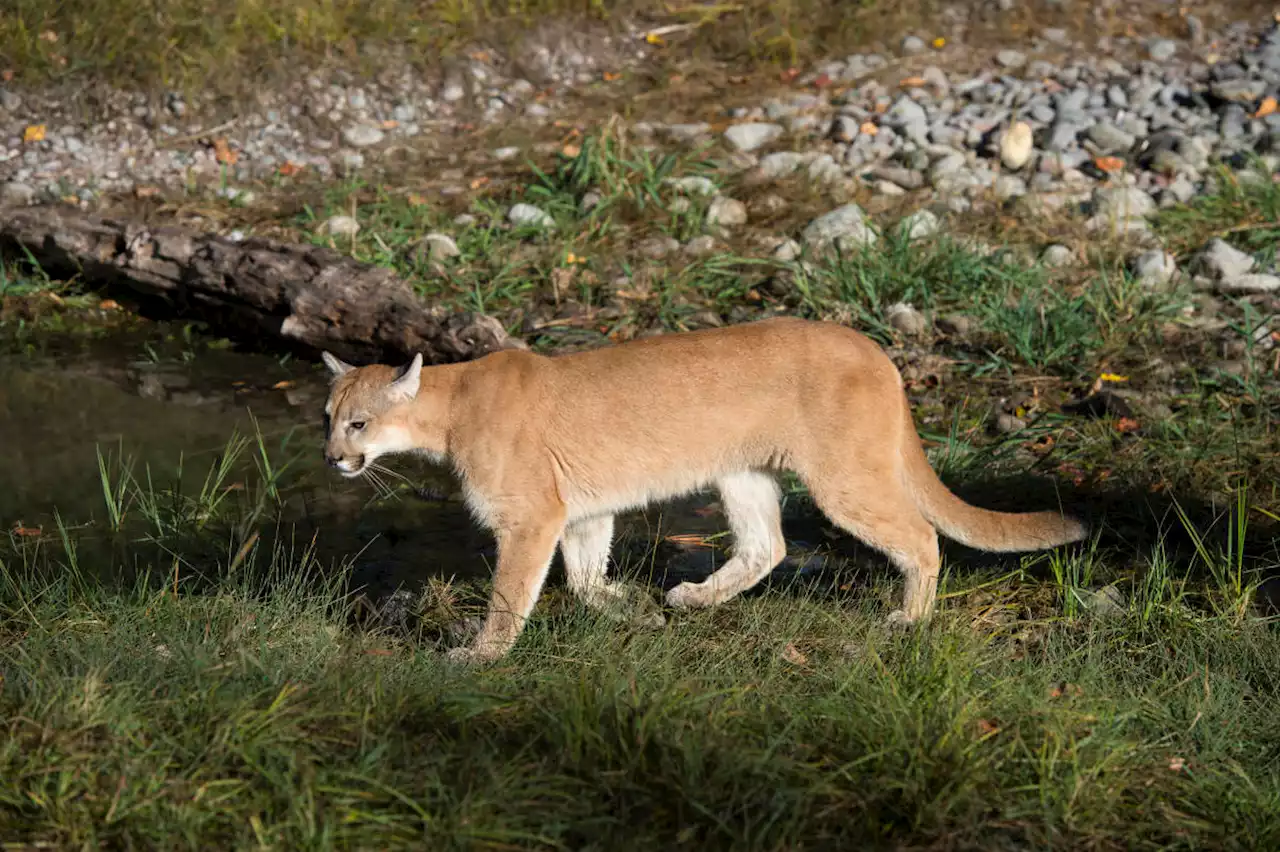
[(170, 402)]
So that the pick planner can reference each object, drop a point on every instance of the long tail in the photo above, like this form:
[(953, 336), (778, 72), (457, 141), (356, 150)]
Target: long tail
[(981, 529)]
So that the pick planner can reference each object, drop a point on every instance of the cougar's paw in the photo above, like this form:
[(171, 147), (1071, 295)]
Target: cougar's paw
[(688, 596)]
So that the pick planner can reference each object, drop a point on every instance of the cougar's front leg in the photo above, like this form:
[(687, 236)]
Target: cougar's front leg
[(525, 549)]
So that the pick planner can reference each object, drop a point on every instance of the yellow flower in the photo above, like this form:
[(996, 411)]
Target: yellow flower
[(1112, 377), (939, 43)]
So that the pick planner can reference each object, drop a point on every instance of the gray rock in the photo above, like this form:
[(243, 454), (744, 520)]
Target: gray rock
[(1007, 423), (362, 135), (1243, 285), (694, 185), (437, 246), (1062, 135), (905, 178), (920, 224), (1011, 58), (1109, 138), (726, 211), (1162, 49), (453, 90), (752, 135), (955, 324), (1010, 186), (701, 246), (845, 226), (1244, 89), (686, 133), (1057, 256), (1154, 269), (1123, 202), (1107, 602), (786, 251), (906, 319), (823, 169), (10, 101), (1221, 261), (341, 226), (510, 152), (17, 194), (656, 248), (780, 164), (913, 44), (526, 215)]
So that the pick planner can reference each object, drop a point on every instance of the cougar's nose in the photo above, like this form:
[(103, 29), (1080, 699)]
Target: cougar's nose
[(331, 459)]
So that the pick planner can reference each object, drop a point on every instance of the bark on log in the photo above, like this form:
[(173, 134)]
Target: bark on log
[(307, 297)]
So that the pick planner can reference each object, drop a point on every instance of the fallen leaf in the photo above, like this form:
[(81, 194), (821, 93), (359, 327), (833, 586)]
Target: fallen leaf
[(146, 191), (1113, 377), (610, 76), (222, 152), (939, 43), (284, 384), (33, 133), (1265, 108), (571, 151), (1177, 764), (49, 36), (416, 200), (6, 75), (1126, 425), (378, 652), (1110, 165), (987, 728), (793, 655), (390, 124), (479, 182), (290, 168), (868, 128), (27, 532), (822, 81), (480, 55), (789, 75), (109, 305), (882, 107), (911, 82)]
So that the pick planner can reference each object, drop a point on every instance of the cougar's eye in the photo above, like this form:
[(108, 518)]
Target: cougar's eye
[(356, 425)]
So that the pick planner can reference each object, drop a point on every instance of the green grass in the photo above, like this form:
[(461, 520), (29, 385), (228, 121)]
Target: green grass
[(180, 672)]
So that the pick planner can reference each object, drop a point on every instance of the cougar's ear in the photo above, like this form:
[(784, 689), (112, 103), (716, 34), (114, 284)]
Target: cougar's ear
[(405, 385), (336, 366)]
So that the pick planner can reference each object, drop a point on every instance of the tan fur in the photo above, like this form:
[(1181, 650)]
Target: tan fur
[(549, 449)]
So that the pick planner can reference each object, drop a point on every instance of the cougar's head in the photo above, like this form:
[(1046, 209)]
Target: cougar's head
[(367, 413)]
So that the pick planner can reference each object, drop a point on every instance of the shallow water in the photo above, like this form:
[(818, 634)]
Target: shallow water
[(168, 401)]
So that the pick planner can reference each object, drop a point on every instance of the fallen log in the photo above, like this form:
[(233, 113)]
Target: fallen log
[(305, 297)]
